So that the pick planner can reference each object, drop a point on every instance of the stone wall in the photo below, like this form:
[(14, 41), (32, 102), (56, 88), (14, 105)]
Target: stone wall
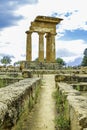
[(71, 78), (40, 65), (5, 81), (76, 106), (78, 82), (62, 71), (14, 99), (9, 69)]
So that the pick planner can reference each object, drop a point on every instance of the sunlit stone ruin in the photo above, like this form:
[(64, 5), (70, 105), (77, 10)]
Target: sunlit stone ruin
[(41, 95), (44, 26)]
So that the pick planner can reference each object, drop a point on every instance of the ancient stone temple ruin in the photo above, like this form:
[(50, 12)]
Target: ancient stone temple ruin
[(46, 28), (43, 25)]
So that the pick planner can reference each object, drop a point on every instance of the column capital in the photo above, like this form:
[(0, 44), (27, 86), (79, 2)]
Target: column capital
[(41, 33), (50, 34), (47, 35), (28, 32), (53, 33)]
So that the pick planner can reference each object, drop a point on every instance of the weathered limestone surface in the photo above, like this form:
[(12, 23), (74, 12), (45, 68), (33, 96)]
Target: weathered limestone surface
[(67, 89), (42, 66), (13, 100), (77, 81), (43, 25), (78, 112), (71, 78), (82, 86), (76, 106)]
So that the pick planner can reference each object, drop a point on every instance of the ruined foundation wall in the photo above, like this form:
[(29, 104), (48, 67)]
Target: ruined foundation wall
[(14, 99), (40, 65), (71, 78), (76, 106)]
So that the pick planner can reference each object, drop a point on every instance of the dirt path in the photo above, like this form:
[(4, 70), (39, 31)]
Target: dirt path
[(43, 115)]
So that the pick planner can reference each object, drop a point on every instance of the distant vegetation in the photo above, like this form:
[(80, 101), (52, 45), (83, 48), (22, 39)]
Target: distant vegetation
[(60, 61), (84, 61), (6, 60)]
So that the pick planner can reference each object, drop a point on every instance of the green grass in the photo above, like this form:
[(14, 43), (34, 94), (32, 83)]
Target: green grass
[(78, 87), (61, 122), (3, 83)]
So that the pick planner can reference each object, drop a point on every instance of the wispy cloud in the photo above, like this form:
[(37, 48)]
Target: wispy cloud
[(75, 62), (70, 50), (64, 53)]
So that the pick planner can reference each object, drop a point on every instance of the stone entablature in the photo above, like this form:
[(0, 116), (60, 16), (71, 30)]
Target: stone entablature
[(43, 25)]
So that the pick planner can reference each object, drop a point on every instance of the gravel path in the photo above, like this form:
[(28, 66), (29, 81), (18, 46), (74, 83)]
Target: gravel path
[(43, 114), (42, 118)]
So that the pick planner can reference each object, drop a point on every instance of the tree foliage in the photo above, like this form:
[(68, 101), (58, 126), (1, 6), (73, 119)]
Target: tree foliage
[(60, 61), (84, 61), (6, 60), (85, 52)]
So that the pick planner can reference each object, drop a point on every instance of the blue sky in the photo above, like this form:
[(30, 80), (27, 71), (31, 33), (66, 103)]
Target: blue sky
[(75, 34), (15, 19)]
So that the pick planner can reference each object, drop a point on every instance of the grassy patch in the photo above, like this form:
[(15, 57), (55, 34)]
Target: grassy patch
[(3, 83), (61, 122), (78, 87)]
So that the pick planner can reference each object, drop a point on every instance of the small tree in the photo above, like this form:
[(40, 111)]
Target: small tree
[(84, 61), (6, 60), (60, 61), (85, 52)]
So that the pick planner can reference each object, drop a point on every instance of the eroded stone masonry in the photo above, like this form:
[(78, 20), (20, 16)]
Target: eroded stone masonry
[(43, 25)]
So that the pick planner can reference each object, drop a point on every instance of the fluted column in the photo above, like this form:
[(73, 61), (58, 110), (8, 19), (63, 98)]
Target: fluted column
[(48, 52), (52, 48), (41, 46), (28, 46)]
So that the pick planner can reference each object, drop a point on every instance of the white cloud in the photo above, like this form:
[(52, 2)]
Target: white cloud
[(17, 37), (76, 47)]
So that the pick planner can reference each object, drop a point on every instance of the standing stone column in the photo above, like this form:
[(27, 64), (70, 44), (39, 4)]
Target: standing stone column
[(48, 51), (52, 48), (41, 46), (28, 46)]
